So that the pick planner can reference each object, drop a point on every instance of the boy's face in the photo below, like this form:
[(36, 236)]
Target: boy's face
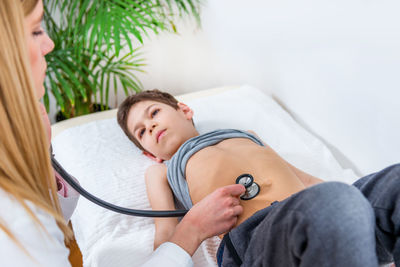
[(160, 128)]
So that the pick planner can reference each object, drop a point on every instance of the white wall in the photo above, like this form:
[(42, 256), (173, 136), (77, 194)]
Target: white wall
[(335, 65)]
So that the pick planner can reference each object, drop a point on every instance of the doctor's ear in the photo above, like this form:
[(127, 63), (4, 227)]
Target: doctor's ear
[(186, 110), (152, 157)]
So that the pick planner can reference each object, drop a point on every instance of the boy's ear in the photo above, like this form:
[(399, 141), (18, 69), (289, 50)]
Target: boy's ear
[(186, 110), (152, 157)]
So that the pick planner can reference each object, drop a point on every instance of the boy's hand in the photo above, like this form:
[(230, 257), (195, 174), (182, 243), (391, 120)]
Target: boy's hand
[(215, 214)]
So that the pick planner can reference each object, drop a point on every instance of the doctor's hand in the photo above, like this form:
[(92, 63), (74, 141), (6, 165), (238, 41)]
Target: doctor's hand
[(215, 214)]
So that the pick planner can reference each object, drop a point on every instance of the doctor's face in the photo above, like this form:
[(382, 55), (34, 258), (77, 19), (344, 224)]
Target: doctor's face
[(160, 128), (39, 44)]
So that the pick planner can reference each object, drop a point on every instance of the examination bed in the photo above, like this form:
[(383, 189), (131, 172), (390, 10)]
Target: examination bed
[(94, 149)]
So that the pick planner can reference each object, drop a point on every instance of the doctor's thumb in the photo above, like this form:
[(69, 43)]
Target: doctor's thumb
[(234, 190)]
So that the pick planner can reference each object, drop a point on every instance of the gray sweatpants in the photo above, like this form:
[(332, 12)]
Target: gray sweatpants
[(329, 224)]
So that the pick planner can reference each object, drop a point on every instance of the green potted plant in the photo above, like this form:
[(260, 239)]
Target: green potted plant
[(97, 47)]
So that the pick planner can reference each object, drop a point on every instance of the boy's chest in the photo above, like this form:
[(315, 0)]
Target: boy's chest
[(220, 165), (230, 154)]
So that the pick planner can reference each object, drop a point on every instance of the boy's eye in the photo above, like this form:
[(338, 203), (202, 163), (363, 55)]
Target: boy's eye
[(141, 133), (154, 112)]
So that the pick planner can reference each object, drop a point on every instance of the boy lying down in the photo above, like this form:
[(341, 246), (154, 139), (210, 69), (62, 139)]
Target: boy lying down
[(290, 222), (196, 165)]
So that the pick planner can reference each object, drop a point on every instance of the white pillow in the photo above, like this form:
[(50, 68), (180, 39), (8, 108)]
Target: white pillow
[(108, 165)]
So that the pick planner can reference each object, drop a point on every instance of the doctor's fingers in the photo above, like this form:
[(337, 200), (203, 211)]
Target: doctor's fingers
[(230, 201), (235, 201), (238, 210), (235, 211), (234, 190)]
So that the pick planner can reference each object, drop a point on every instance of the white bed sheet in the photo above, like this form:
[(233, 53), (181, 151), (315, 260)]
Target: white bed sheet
[(106, 163)]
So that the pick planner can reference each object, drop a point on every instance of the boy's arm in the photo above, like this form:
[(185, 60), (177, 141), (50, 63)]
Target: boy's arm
[(161, 198), (307, 179)]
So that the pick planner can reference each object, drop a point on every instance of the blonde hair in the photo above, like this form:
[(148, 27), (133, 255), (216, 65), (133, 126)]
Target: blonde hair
[(25, 170)]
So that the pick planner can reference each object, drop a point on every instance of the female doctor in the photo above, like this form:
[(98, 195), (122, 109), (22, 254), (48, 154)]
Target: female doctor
[(32, 226)]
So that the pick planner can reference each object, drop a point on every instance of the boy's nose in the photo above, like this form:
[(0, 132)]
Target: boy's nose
[(152, 127)]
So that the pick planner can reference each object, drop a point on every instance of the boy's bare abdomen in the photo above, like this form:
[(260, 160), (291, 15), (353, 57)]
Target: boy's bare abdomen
[(221, 164)]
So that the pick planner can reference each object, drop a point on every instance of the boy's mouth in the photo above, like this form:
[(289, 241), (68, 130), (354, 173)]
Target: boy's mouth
[(160, 134)]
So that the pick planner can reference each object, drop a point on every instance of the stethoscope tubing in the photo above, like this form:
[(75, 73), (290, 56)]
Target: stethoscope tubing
[(132, 212)]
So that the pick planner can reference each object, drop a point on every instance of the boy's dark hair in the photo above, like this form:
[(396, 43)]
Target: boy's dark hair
[(126, 105)]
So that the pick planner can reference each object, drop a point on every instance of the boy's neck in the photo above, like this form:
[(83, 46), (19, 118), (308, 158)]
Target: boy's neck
[(192, 135), (196, 133)]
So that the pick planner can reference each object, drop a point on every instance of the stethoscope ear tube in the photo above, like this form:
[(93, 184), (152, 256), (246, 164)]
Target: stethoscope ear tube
[(104, 204)]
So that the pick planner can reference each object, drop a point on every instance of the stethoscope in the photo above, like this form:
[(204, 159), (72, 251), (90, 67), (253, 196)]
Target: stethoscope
[(252, 189)]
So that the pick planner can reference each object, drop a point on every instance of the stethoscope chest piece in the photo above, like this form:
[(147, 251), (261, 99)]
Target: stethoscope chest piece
[(252, 188)]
